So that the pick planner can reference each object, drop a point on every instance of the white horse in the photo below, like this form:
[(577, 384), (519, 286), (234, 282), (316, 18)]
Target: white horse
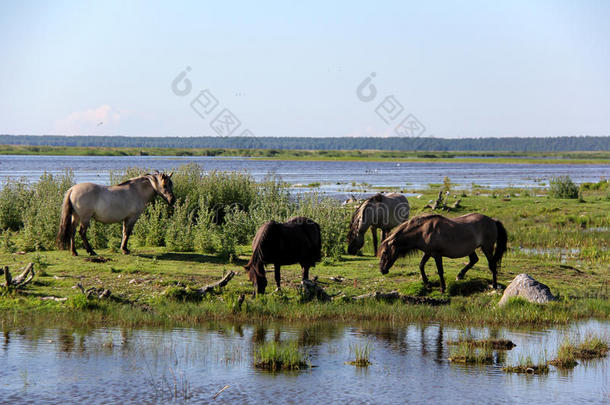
[(381, 211), (123, 202)]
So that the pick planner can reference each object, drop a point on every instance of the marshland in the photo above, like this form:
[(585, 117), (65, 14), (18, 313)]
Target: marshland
[(156, 321)]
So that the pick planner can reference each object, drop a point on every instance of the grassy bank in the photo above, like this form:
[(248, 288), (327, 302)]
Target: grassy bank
[(560, 242), (294, 154)]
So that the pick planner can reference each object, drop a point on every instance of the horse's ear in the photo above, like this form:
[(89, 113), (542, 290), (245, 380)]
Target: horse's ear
[(377, 197), (170, 174)]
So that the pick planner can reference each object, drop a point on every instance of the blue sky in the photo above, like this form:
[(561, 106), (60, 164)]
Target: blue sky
[(463, 69)]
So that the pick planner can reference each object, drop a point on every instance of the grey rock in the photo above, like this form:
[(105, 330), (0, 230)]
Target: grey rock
[(526, 287)]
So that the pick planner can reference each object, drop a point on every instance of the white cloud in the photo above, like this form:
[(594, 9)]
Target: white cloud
[(90, 121)]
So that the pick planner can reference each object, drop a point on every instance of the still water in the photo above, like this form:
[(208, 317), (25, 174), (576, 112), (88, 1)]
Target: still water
[(410, 365), (333, 176)]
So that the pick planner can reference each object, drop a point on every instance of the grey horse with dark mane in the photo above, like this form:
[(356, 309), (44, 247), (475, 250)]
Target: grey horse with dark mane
[(381, 211), (109, 204), (295, 241), (438, 236)]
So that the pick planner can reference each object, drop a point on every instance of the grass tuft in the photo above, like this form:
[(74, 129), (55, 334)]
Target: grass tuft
[(273, 356), (469, 354), (361, 353)]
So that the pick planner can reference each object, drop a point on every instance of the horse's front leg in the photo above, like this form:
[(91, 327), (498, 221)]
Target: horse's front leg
[(439, 267), (473, 259), (374, 231), (305, 275), (83, 234), (422, 264), (128, 224), (276, 268)]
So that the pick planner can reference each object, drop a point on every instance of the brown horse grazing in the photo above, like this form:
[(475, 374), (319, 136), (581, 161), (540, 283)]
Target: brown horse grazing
[(295, 241), (124, 202), (381, 211), (438, 236)]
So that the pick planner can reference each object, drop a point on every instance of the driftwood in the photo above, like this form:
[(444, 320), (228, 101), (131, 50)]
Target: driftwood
[(311, 289), (21, 280), (100, 293), (441, 202), (407, 299), (219, 284)]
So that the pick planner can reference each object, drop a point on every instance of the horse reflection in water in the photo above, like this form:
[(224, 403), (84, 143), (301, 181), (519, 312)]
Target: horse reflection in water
[(123, 202)]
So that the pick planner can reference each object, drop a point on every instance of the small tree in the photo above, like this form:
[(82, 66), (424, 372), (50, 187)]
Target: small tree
[(563, 187)]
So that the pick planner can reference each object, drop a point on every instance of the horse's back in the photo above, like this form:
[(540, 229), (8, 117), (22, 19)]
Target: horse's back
[(106, 204), (295, 241)]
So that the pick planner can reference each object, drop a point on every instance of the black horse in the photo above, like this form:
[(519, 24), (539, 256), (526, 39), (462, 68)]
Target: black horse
[(295, 241)]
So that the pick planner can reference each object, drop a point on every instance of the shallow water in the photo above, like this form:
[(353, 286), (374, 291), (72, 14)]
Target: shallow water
[(335, 176), (109, 365)]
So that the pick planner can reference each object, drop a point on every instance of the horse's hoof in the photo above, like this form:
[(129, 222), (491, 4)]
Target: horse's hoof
[(126, 252), (458, 278), (92, 253), (278, 290)]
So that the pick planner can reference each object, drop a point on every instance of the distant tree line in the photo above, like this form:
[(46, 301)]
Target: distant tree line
[(511, 144)]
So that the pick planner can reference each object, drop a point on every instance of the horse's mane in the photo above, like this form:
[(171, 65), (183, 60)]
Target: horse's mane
[(257, 248), (407, 226), (134, 179), (353, 227)]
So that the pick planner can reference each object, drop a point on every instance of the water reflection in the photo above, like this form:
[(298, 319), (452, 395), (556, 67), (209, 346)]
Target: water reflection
[(192, 364)]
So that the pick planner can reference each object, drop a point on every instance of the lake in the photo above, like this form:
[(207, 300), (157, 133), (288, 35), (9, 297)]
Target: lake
[(409, 364), (335, 177)]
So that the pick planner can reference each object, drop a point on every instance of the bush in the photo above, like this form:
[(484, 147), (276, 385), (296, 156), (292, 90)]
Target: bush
[(14, 199), (150, 230), (41, 219), (179, 233), (563, 187)]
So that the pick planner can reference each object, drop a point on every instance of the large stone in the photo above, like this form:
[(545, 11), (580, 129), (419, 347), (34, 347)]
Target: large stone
[(526, 287)]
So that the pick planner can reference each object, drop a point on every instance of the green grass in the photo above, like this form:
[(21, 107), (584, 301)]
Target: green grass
[(361, 353), (527, 366), (164, 279), (292, 154), (273, 356)]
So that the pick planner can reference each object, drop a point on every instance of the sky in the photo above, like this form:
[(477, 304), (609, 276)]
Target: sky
[(446, 69)]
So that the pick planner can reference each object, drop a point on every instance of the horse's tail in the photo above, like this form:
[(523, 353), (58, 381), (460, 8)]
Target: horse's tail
[(500, 243), (65, 225)]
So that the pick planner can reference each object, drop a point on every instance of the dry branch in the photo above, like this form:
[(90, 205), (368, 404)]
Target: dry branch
[(219, 284), (407, 299), (21, 280)]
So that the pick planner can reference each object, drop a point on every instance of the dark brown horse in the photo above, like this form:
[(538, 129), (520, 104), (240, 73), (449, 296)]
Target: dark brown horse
[(438, 236), (295, 241)]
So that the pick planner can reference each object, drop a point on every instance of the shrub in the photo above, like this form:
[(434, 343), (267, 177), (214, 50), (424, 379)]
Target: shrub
[(150, 230), (41, 219), (563, 187), (14, 199), (179, 233)]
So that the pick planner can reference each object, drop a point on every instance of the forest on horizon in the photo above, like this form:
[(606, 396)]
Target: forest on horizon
[(508, 144)]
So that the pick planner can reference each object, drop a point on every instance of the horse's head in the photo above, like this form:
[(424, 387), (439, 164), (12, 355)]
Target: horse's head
[(388, 253), (258, 281), (355, 238), (162, 183)]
